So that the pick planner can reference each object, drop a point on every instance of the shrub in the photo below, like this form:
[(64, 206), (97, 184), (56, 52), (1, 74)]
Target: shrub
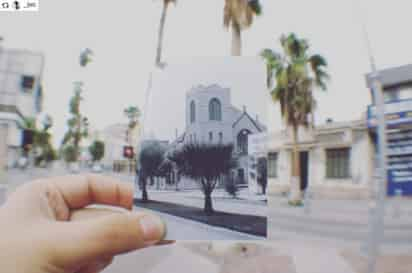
[(97, 150)]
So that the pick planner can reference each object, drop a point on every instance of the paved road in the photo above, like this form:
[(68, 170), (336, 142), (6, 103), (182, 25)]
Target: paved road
[(337, 222)]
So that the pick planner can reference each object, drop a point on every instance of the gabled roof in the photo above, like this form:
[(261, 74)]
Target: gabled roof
[(255, 123)]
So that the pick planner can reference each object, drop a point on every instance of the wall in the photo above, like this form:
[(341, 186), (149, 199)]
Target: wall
[(202, 125), (357, 186)]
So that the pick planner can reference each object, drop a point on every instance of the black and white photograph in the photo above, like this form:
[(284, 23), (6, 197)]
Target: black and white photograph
[(194, 161)]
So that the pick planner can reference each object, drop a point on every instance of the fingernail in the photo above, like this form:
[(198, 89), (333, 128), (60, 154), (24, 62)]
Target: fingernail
[(153, 228)]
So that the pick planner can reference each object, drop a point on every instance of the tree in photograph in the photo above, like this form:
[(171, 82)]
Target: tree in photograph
[(292, 76), (161, 32), (78, 125), (150, 158), (239, 15), (206, 164), (262, 174), (97, 150), (177, 160)]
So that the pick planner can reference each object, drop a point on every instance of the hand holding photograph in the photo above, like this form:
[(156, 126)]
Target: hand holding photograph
[(194, 164)]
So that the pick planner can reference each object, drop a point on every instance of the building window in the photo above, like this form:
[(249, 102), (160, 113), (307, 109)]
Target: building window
[(337, 163), (210, 136), (242, 139), (220, 137), (27, 83), (273, 165), (215, 110), (192, 112)]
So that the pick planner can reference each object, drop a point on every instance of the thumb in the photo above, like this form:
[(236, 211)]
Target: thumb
[(107, 236)]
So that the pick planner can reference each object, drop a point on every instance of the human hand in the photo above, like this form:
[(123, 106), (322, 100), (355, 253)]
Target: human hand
[(45, 226)]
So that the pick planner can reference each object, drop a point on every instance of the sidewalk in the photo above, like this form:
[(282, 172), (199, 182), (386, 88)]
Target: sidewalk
[(276, 258), (353, 212)]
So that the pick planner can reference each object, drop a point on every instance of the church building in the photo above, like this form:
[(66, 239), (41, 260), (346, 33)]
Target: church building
[(211, 118)]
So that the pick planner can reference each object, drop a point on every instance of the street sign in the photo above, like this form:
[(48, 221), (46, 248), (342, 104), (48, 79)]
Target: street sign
[(398, 119)]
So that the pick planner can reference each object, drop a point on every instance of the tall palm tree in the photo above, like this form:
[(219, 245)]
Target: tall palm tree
[(85, 57), (133, 114), (239, 15), (292, 76), (161, 32)]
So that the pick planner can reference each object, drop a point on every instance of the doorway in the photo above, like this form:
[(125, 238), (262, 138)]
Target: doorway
[(241, 176), (304, 169)]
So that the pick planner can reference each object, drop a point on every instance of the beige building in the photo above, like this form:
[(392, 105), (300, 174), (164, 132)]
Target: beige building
[(20, 96), (115, 137), (336, 160)]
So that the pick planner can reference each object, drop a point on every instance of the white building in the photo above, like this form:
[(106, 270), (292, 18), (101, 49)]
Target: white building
[(336, 160), (115, 138), (211, 118), (20, 96)]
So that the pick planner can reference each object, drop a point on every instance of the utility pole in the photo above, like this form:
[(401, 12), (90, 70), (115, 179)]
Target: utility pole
[(377, 211)]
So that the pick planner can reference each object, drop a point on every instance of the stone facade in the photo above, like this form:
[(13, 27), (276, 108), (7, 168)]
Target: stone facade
[(356, 159)]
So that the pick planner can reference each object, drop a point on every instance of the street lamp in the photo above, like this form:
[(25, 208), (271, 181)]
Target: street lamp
[(377, 211)]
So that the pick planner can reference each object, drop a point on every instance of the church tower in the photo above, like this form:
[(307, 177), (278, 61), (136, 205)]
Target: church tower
[(209, 115)]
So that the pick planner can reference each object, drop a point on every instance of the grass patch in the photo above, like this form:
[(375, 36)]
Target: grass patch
[(251, 224)]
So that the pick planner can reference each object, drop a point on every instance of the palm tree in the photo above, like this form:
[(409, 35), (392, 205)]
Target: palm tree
[(85, 57), (161, 32), (297, 74), (239, 15), (133, 114)]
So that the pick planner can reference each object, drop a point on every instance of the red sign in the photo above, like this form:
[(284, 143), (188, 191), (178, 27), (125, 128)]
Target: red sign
[(128, 152)]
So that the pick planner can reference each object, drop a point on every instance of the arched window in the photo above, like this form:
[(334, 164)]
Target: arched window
[(242, 145), (215, 110), (192, 112)]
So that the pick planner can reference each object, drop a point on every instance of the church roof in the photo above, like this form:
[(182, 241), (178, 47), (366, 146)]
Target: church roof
[(244, 114)]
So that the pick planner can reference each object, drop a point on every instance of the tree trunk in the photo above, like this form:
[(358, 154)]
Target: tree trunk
[(312, 116), (208, 203), (295, 195), (160, 35), (236, 40), (145, 197)]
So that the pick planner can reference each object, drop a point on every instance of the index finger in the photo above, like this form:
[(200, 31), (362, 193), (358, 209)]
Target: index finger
[(79, 191)]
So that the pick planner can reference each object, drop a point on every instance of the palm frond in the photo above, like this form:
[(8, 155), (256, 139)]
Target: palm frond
[(255, 6)]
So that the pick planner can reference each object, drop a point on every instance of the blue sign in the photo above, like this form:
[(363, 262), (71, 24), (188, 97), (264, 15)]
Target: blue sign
[(398, 115)]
